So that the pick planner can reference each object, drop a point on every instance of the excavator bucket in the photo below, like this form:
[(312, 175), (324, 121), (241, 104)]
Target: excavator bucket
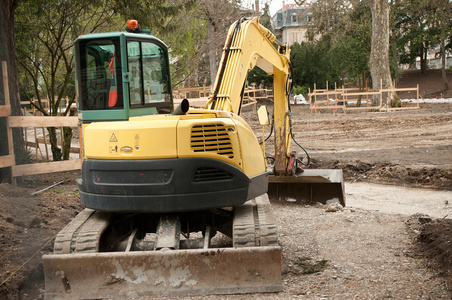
[(312, 185)]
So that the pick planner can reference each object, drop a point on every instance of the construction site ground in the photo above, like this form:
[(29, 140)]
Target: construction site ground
[(391, 241)]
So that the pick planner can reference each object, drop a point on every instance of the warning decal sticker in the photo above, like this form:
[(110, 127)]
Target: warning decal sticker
[(113, 147), (113, 138)]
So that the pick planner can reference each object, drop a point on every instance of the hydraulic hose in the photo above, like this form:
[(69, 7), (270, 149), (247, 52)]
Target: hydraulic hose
[(271, 131), (288, 93), (225, 60)]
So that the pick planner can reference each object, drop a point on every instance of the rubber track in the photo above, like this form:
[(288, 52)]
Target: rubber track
[(267, 225), (244, 229), (83, 233), (64, 238), (89, 234), (254, 224)]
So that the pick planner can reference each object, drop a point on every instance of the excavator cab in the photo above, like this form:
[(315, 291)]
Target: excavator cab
[(120, 75)]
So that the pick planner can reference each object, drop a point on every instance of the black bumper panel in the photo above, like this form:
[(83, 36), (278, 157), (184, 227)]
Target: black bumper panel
[(165, 185)]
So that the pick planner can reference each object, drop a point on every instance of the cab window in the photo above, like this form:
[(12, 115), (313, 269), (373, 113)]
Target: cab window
[(149, 81), (99, 69)]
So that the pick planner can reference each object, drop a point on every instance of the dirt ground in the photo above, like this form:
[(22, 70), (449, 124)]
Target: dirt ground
[(430, 83), (392, 240)]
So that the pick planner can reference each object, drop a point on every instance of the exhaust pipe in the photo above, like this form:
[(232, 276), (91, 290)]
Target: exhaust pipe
[(182, 108)]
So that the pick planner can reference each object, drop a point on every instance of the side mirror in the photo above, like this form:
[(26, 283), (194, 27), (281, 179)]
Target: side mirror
[(263, 120), (263, 115)]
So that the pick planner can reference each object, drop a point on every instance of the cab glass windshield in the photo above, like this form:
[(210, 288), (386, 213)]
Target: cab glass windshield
[(99, 70), (149, 81)]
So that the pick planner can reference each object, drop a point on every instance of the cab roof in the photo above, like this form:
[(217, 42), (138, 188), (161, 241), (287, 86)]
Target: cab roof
[(145, 34)]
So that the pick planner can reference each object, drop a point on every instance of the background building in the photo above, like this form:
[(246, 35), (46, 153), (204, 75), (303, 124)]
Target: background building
[(290, 23)]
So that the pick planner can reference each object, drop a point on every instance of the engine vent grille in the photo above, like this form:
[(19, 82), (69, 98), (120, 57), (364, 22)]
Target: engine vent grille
[(211, 138), (209, 174)]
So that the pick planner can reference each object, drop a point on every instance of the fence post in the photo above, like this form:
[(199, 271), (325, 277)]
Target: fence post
[(9, 131)]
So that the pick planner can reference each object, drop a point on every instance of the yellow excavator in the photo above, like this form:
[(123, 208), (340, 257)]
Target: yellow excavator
[(176, 199)]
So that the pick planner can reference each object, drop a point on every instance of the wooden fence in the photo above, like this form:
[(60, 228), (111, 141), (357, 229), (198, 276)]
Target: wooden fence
[(31, 121), (32, 111), (341, 98), (45, 104), (198, 96)]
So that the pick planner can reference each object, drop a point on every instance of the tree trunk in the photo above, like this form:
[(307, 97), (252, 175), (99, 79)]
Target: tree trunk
[(361, 88), (443, 60), (379, 55), (424, 59), (8, 54), (67, 134), (56, 152), (212, 51)]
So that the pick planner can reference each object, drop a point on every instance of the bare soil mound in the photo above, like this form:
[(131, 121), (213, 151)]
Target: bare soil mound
[(28, 224), (390, 173), (435, 244), (433, 238), (430, 83)]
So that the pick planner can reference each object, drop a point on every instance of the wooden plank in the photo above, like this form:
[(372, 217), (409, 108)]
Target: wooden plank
[(45, 143), (40, 121), (5, 83), (356, 90), (256, 90), (363, 107), (42, 168), (42, 141), (263, 97), (5, 110), (329, 107), (398, 90), (9, 131), (249, 103), (363, 100), (7, 161), (195, 89), (36, 143), (362, 94), (324, 101)]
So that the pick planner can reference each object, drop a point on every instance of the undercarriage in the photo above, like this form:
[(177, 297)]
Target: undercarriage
[(227, 250)]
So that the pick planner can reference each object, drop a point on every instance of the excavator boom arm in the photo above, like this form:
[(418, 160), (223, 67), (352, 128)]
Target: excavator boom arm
[(249, 44)]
